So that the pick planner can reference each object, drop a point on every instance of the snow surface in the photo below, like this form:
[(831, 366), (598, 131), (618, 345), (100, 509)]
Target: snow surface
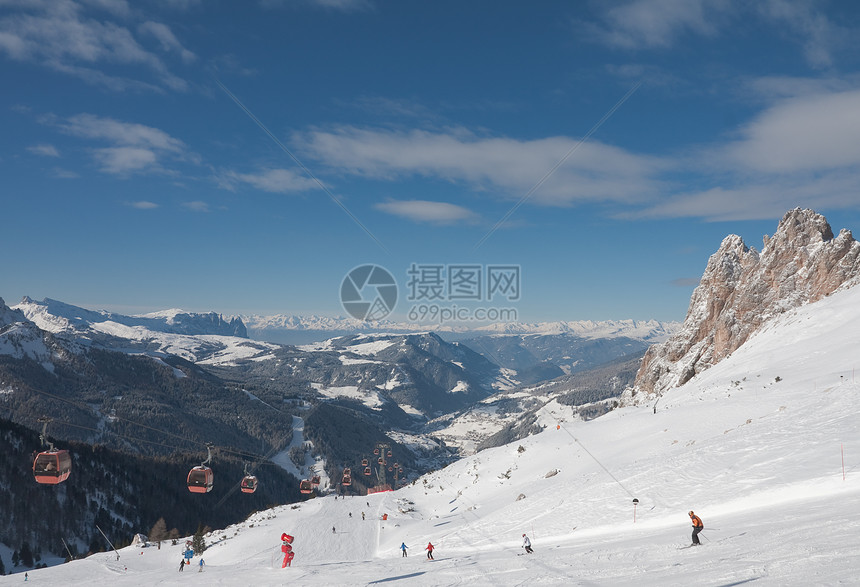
[(754, 445)]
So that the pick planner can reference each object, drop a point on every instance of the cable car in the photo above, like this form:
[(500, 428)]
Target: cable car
[(381, 461), (52, 466), (364, 462), (367, 471), (376, 451), (389, 455), (347, 477), (248, 484), (201, 478), (390, 468), (315, 480), (305, 486)]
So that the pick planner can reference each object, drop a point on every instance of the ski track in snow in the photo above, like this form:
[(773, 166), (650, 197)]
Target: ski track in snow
[(759, 459)]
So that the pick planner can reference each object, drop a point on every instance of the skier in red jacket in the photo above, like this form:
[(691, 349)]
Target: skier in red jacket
[(429, 550)]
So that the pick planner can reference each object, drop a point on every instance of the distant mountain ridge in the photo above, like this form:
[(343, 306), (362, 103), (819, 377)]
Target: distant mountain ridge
[(56, 316), (648, 330), (741, 289)]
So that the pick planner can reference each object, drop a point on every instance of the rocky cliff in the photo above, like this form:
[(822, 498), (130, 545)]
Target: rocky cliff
[(741, 289)]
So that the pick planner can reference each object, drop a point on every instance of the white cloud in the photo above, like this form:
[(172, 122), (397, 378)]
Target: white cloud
[(656, 23), (425, 211), (59, 36), (123, 160), (649, 24), (45, 150), (197, 206), (341, 5), (595, 171), (810, 133), (123, 133), (168, 40), (819, 35), (132, 147), (275, 180), (143, 205)]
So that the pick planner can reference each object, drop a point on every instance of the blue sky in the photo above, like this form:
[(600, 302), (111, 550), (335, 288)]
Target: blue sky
[(132, 181)]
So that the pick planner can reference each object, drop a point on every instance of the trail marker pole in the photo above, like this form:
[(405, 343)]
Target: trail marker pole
[(635, 503)]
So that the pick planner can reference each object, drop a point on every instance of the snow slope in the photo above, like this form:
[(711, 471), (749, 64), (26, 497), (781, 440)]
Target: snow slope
[(754, 445)]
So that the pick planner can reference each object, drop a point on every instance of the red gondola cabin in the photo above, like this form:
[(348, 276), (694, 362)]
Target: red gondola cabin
[(305, 486), (200, 479), (248, 484), (52, 467)]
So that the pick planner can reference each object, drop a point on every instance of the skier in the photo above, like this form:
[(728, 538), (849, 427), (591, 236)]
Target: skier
[(333, 530), (362, 516), (698, 526), (527, 544), (403, 547), (429, 550), (201, 566), (350, 514), (181, 565)]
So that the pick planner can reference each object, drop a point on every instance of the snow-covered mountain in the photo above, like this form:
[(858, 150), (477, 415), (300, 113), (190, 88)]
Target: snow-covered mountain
[(755, 445), (741, 289), (205, 338), (294, 329)]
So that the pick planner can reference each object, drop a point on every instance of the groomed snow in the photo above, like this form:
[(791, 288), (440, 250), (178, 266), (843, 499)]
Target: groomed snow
[(754, 445)]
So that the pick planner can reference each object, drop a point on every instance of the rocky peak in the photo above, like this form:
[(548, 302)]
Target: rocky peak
[(741, 289)]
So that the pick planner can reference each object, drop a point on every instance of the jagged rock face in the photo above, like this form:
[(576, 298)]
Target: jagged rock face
[(741, 289)]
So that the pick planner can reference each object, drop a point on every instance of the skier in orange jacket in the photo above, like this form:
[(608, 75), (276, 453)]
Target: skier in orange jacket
[(698, 526)]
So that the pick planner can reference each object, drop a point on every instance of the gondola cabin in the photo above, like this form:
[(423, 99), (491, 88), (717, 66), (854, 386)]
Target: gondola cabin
[(347, 477), (305, 486), (376, 451), (367, 471), (248, 484), (200, 479), (52, 467), (364, 462), (381, 461), (315, 480)]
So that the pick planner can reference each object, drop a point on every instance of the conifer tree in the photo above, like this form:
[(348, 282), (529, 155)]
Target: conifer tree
[(159, 531)]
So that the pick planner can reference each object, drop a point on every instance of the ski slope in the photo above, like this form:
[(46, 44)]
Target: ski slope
[(754, 445)]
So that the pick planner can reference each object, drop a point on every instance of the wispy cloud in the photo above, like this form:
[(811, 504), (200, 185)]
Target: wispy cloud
[(428, 212), (338, 5), (143, 205), (132, 147), (45, 150), (510, 166), (655, 23), (196, 206), (686, 281), (169, 42), (660, 24), (59, 35), (275, 180)]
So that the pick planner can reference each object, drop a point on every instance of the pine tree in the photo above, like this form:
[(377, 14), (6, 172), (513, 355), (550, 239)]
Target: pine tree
[(16, 559), (198, 542), (159, 531), (2, 567), (26, 554)]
